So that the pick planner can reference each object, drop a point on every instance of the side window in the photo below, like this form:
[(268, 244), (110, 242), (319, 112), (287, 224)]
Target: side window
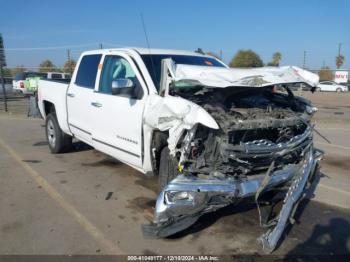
[(117, 68), (87, 71), (56, 76)]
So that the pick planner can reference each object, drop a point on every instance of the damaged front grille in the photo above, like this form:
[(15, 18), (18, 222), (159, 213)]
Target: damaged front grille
[(216, 153), (256, 127)]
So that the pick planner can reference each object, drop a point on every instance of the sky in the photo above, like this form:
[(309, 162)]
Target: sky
[(36, 30)]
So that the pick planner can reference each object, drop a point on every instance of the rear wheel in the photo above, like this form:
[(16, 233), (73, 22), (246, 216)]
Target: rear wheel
[(338, 90), (318, 89), (167, 168), (58, 141)]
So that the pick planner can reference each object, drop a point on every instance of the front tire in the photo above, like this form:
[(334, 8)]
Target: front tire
[(58, 141), (167, 168), (318, 89), (338, 90)]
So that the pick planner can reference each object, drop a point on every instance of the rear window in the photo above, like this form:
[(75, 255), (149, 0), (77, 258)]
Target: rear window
[(25, 75), (87, 71)]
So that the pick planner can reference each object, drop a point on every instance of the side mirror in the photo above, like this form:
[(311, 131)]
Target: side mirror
[(123, 86)]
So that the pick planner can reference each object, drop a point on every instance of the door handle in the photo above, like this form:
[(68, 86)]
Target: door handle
[(96, 104), (70, 95)]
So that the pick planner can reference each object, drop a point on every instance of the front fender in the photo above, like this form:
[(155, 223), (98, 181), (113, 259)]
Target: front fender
[(175, 114)]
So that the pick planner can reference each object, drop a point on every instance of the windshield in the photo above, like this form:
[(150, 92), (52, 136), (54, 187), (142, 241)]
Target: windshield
[(153, 63)]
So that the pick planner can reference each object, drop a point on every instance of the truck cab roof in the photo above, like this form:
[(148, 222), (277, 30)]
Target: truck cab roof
[(146, 51)]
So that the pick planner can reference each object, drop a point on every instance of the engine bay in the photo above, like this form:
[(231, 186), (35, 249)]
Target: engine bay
[(258, 119)]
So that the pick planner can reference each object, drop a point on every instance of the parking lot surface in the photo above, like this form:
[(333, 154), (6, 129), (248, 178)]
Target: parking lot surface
[(84, 202)]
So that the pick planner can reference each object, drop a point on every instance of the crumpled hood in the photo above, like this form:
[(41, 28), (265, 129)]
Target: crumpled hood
[(254, 77)]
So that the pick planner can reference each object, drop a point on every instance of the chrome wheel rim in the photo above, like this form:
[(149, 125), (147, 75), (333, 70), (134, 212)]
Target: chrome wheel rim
[(51, 135)]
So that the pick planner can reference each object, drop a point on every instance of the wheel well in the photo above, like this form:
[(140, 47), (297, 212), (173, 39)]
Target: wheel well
[(159, 141), (48, 107)]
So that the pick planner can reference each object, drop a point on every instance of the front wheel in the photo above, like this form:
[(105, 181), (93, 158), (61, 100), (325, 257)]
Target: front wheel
[(58, 141), (338, 90), (318, 89), (167, 168)]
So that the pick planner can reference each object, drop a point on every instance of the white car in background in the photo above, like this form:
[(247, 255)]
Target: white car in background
[(331, 86)]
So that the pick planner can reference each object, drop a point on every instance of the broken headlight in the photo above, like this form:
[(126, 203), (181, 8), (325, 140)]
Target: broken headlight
[(173, 196)]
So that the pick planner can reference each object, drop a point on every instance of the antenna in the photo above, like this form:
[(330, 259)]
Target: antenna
[(149, 47), (144, 30)]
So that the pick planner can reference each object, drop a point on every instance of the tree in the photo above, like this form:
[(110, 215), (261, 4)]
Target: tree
[(69, 66), (18, 69), (276, 59), (339, 60), (7, 72), (47, 66), (325, 73), (246, 58)]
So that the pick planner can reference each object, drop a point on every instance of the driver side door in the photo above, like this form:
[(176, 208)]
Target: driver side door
[(118, 115)]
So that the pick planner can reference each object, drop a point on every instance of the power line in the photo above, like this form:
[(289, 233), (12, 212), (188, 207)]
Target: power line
[(99, 45)]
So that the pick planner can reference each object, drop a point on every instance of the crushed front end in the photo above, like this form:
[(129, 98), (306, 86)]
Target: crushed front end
[(263, 148)]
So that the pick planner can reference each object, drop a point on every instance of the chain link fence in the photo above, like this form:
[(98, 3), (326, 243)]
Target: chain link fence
[(13, 100)]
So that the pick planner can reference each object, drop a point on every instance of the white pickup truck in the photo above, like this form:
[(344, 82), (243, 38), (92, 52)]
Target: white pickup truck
[(212, 134)]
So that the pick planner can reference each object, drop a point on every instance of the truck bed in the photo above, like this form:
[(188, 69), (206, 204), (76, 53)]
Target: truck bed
[(54, 91)]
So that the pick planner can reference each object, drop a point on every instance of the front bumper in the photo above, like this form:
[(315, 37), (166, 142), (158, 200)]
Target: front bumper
[(186, 198)]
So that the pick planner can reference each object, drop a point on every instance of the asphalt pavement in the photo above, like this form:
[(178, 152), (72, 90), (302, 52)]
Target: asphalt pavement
[(84, 202)]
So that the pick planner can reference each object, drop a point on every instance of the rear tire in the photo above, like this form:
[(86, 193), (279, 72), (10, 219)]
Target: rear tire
[(167, 168), (58, 141), (318, 89), (338, 90)]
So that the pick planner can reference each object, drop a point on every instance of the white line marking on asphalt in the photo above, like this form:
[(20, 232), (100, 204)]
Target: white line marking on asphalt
[(335, 189), (333, 128), (333, 145), (70, 209)]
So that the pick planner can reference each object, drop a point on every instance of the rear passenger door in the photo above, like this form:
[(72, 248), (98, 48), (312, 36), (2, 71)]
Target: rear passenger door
[(79, 96)]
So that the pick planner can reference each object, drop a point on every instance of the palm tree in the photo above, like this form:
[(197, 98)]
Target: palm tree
[(276, 58)]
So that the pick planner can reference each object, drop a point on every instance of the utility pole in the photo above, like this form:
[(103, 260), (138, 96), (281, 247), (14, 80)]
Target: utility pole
[(2, 65), (339, 49), (304, 60), (69, 62), (221, 54), (4, 97), (101, 46)]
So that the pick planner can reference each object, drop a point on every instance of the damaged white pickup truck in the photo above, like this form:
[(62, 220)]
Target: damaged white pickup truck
[(213, 135)]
